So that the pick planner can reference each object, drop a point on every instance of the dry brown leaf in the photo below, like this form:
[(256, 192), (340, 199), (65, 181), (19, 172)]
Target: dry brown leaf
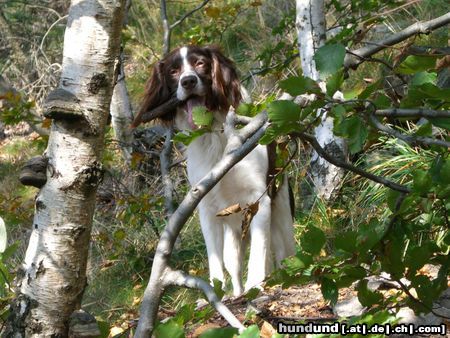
[(267, 330), (232, 209), (249, 212)]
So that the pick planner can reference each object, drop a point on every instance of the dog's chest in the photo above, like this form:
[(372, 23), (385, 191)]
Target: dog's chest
[(203, 154)]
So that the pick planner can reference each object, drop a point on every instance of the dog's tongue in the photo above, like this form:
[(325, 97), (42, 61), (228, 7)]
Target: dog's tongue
[(191, 103)]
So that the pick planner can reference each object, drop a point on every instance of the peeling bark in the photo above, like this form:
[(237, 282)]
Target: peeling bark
[(53, 275), (311, 29)]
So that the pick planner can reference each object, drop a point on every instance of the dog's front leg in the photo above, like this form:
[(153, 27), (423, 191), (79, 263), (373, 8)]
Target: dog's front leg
[(233, 253), (212, 231), (260, 262)]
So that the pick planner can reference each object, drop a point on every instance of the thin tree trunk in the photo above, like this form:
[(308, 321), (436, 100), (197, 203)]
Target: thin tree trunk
[(122, 115), (310, 23), (53, 276)]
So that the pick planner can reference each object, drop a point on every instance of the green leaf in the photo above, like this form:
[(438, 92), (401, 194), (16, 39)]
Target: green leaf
[(329, 59), (120, 235), (169, 329), (3, 236), (297, 263), (250, 332), (283, 112), (366, 296), (186, 137), (329, 290), (416, 63), (218, 288), (422, 181), (225, 332), (423, 77), (312, 240), (334, 82), (201, 116), (441, 122), (252, 293), (297, 85), (354, 129), (417, 256), (425, 130), (370, 234), (346, 241)]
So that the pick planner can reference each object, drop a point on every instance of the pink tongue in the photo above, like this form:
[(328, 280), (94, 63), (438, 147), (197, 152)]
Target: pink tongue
[(190, 105)]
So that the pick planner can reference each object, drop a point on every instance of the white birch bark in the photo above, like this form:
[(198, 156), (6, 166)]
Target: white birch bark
[(53, 277), (311, 29), (122, 116)]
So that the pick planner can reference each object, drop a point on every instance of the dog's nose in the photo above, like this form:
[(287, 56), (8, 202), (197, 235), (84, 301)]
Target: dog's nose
[(189, 82)]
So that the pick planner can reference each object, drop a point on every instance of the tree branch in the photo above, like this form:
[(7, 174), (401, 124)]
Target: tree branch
[(165, 161), (166, 27), (180, 278), (185, 16), (417, 112), (346, 165), (418, 28), (410, 139), (251, 133)]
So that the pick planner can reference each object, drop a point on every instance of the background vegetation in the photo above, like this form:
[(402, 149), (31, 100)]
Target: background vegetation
[(363, 231)]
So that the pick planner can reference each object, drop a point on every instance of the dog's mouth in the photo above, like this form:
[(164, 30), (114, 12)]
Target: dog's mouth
[(190, 104)]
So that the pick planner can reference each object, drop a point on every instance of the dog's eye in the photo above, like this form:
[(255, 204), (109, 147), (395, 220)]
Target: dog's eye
[(199, 63), (173, 71)]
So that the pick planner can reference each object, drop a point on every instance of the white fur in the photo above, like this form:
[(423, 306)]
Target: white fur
[(271, 230)]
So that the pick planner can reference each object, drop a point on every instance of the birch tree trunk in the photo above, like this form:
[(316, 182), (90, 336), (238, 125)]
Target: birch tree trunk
[(122, 115), (53, 276), (311, 29)]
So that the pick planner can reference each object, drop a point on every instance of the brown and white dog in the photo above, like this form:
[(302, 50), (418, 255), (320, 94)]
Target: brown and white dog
[(203, 76)]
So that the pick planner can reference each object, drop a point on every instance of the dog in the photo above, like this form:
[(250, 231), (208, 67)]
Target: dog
[(203, 76)]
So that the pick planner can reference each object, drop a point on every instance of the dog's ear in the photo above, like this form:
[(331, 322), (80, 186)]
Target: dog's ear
[(226, 87), (156, 92)]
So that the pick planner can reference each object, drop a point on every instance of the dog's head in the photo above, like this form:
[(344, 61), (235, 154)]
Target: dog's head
[(198, 76)]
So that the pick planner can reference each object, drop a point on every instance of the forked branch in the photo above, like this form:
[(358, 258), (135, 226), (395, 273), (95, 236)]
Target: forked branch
[(356, 57), (161, 275)]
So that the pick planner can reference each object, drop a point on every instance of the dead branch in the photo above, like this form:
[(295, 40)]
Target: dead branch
[(357, 56), (165, 161), (159, 111), (348, 166), (246, 140), (410, 139), (180, 278), (412, 113)]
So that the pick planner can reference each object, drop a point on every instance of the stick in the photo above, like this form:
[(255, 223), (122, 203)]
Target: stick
[(159, 111)]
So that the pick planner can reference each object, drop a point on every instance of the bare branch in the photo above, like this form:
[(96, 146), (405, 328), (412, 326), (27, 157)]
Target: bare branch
[(180, 278), (159, 111), (417, 28), (154, 290), (166, 27), (185, 16), (346, 165), (411, 139), (165, 161), (417, 112)]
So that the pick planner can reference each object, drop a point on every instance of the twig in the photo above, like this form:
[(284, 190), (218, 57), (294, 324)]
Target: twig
[(417, 28), (159, 111), (410, 139), (185, 16), (417, 112), (180, 278), (346, 165)]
